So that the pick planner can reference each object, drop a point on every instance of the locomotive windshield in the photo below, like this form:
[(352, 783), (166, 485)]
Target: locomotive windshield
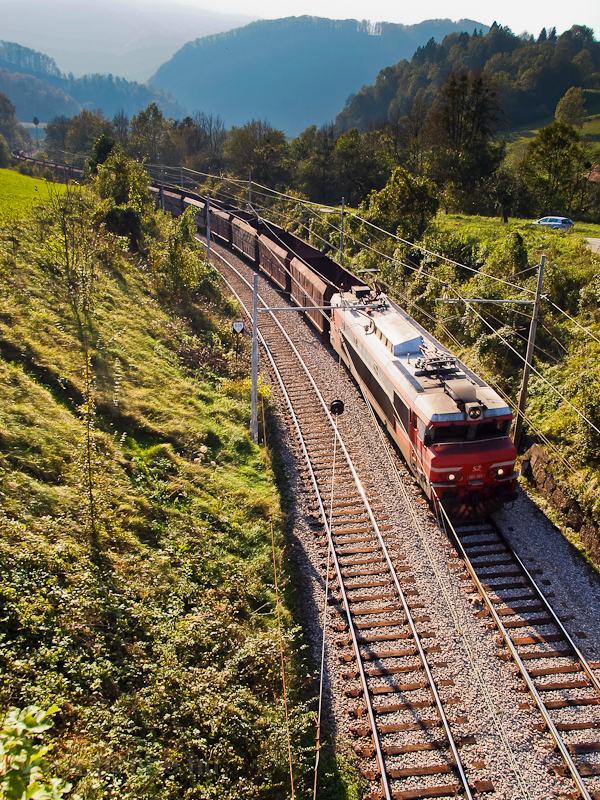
[(456, 432)]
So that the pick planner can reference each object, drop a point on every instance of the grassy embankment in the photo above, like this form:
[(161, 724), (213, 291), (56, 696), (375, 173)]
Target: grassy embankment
[(136, 589)]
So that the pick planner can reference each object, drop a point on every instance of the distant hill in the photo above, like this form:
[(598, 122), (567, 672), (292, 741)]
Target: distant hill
[(131, 38), (37, 87), (293, 72)]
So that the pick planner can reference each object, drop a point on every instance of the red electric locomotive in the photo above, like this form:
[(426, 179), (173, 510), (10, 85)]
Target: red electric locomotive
[(452, 428)]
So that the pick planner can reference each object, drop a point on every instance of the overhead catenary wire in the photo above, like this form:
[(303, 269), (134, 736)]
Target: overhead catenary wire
[(465, 300), (505, 341), (268, 192), (274, 193)]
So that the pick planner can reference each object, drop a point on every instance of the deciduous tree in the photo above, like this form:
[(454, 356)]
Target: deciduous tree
[(147, 134), (571, 108), (404, 206), (555, 167), (258, 148)]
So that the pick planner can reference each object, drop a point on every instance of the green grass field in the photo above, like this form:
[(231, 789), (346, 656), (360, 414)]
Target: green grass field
[(492, 228), (19, 194), (519, 137)]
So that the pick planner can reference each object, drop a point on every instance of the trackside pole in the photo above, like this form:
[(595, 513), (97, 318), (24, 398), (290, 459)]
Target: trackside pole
[(208, 228), (529, 356), (254, 370), (342, 234)]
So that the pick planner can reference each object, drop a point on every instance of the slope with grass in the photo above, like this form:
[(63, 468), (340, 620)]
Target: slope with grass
[(137, 517), (19, 194)]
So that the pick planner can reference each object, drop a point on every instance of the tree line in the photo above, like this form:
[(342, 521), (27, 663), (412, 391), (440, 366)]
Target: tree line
[(451, 144)]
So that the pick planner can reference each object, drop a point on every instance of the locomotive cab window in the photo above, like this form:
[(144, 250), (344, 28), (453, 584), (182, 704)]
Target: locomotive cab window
[(462, 432)]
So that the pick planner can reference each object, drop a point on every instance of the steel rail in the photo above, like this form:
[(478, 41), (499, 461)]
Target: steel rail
[(422, 655), (356, 647), (577, 778), (541, 596)]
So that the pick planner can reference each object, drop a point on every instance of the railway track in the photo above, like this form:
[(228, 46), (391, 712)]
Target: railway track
[(409, 732), (405, 713), (560, 681)]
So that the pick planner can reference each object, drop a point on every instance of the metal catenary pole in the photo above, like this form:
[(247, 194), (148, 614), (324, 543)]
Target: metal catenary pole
[(254, 365), (342, 233), (208, 228), (529, 356)]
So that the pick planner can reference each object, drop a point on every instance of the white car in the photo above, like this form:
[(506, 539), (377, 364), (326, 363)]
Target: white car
[(560, 223)]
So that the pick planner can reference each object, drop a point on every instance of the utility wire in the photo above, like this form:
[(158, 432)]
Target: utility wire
[(460, 297)]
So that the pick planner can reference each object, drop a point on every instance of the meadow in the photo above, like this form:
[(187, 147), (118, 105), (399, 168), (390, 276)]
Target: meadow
[(19, 194)]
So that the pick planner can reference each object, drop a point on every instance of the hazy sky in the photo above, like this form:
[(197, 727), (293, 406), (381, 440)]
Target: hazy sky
[(132, 38), (518, 15)]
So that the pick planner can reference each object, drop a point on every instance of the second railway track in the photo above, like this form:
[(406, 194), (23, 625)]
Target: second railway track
[(411, 732), (560, 681)]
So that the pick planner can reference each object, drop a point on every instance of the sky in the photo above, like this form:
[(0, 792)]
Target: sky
[(518, 15)]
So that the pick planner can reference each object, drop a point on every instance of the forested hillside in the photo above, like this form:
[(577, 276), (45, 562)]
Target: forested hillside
[(37, 87), (293, 72), (530, 76)]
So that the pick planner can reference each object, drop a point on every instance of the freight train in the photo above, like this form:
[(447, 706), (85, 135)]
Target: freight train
[(451, 427)]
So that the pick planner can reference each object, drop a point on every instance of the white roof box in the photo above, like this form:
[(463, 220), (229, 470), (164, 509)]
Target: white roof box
[(400, 335)]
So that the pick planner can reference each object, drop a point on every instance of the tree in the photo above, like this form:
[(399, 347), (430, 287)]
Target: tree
[(312, 153), (56, 137), (124, 181), (571, 109), (120, 123), (84, 129), (100, 152), (257, 148), (215, 137), (8, 117), (555, 168), (147, 133), (404, 206), (462, 127), (355, 167), (403, 141)]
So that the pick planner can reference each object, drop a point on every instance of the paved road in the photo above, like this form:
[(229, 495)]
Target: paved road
[(594, 244)]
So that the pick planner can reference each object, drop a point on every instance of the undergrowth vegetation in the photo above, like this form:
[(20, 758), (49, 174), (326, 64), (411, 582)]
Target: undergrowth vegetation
[(137, 586)]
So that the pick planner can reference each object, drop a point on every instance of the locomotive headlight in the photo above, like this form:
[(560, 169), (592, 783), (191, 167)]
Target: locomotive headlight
[(474, 413), (500, 472), (451, 477)]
